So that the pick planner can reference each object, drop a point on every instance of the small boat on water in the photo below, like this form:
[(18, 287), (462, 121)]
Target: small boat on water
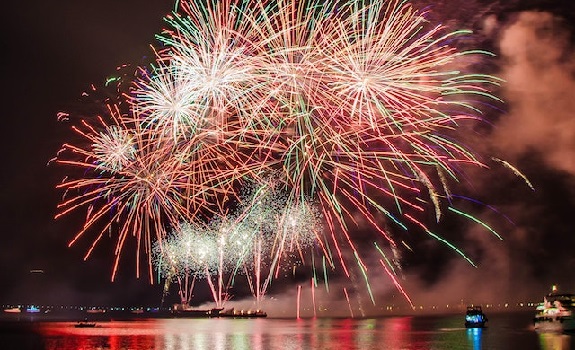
[(474, 317), (555, 313), (13, 310), (96, 311), (186, 311), (85, 324), (32, 309)]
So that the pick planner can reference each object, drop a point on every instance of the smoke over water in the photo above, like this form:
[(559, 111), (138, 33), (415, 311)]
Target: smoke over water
[(538, 65)]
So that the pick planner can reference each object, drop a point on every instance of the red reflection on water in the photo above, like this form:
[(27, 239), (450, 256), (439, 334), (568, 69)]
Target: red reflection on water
[(396, 332), (407, 333), (106, 335), (392, 333), (223, 334), (346, 335)]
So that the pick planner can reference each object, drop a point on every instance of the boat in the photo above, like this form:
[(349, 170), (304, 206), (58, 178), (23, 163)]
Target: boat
[(242, 313), (13, 310), (96, 311), (186, 311), (32, 309), (474, 317), (85, 324), (555, 313)]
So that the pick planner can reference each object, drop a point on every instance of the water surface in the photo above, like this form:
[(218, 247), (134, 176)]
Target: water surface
[(504, 331)]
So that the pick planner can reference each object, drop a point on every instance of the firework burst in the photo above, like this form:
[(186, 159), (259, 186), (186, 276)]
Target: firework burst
[(253, 240), (351, 106), (129, 183)]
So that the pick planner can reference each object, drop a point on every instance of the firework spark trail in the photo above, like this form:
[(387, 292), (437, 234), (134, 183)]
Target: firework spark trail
[(392, 274), (325, 278), (298, 300), (348, 302), (440, 239), (396, 283), (490, 207), (515, 171), (476, 220), (312, 287)]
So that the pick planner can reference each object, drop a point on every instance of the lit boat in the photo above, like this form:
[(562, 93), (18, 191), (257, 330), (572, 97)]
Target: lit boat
[(475, 318), (555, 314), (184, 310), (243, 313), (85, 324), (32, 309), (96, 311), (13, 310)]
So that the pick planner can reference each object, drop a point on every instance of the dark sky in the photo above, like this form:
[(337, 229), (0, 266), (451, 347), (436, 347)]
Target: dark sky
[(53, 50)]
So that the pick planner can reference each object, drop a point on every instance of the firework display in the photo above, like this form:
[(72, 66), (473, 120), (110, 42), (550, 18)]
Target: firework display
[(351, 108)]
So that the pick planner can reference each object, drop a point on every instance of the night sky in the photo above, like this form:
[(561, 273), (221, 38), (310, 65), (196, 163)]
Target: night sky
[(53, 51)]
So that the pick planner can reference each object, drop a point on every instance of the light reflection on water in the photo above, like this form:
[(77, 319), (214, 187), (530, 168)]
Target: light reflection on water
[(556, 341), (474, 338), (407, 333)]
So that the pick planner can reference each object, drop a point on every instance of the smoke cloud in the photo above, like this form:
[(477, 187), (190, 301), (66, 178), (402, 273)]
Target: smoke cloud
[(538, 66)]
